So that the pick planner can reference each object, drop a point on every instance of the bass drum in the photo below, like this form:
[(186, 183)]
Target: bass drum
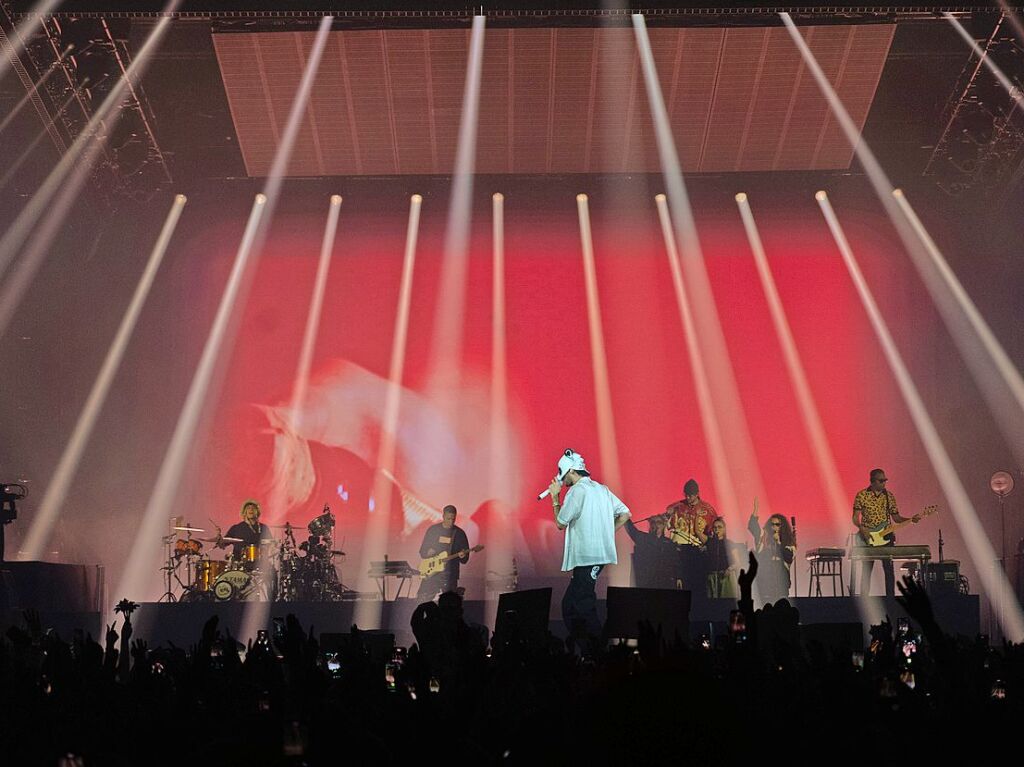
[(233, 584)]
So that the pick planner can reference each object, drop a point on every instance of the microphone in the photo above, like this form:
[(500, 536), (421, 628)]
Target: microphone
[(546, 493)]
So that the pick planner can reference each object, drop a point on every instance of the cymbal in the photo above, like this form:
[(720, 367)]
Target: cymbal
[(222, 540), (191, 529)]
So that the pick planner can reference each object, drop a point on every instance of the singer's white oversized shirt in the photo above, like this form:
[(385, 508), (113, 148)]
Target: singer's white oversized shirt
[(588, 513)]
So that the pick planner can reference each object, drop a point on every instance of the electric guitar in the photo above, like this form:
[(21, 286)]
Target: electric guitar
[(436, 563), (879, 536)]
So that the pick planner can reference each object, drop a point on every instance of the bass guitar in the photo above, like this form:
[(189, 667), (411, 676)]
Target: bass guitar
[(879, 536), (436, 563)]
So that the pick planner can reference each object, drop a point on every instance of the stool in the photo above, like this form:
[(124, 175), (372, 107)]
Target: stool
[(825, 563)]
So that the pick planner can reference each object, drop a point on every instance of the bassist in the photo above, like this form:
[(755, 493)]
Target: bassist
[(874, 508), (444, 537)]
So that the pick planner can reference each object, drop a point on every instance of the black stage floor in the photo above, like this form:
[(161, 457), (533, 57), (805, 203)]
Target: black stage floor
[(182, 623)]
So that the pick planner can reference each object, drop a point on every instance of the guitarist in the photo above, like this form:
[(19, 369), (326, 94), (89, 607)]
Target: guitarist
[(443, 537), (875, 507)]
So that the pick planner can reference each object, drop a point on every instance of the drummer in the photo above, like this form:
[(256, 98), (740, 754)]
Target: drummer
[(249, 532)]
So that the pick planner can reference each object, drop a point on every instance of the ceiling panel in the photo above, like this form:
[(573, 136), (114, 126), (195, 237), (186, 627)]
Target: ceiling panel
[(568, 100)]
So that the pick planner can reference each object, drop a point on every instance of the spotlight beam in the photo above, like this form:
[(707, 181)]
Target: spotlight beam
[(279, 166), (1013, 91), (1015, 22), (985, 357), (29, 93), (141, 558), (255, 615), (77, 161), (447, 341), (996, 584), (182, 440), (375, 545), (498, 557), (500, 455), (13, 45), (823, 456), (608, 444), (1007, 370), (738, 451), (499, 363), (720, 468), (300, 384), (56, 491), (824, 459), (27, 151)]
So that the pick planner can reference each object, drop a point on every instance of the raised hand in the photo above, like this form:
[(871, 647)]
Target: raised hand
[(210, 630), (915, 601), (746, 577), (34, 623), (111, 635)]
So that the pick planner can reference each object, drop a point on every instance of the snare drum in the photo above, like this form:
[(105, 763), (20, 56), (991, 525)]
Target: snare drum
[(207, 571)]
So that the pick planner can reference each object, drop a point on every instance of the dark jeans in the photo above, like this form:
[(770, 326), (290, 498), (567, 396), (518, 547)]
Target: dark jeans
[(579, 605), (867, 565), (438, 583)]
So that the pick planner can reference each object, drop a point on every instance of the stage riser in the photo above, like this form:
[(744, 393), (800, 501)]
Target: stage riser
[(182, 623)]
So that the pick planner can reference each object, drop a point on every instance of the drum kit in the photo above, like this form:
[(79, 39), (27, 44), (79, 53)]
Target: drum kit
[(272, 570)]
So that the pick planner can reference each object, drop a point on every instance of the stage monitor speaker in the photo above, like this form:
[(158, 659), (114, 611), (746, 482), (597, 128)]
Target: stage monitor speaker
[(627, 607), (523, 615), (943, 577)]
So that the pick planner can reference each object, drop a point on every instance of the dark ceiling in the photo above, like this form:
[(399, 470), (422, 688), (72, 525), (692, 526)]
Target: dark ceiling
[(562, 92)]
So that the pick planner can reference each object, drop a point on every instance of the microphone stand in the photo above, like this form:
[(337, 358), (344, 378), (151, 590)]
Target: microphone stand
[(169, 569), (795, 568)]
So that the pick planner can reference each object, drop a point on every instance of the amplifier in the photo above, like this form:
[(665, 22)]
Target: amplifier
[(943, 576)]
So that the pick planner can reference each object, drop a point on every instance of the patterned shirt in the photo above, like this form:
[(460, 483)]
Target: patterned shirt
[(876, 509), (685, 522)]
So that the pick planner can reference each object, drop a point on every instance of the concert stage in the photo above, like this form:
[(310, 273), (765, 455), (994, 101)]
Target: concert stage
[(182, 623), (70, 597)]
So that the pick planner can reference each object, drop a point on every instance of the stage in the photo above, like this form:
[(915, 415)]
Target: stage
[(182, 623)]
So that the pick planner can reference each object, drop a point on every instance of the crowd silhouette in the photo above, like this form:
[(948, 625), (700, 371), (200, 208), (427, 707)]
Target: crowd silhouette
[(460, 696)]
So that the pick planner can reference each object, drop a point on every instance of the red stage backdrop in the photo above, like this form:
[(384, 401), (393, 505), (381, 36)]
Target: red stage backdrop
[(254, 444)]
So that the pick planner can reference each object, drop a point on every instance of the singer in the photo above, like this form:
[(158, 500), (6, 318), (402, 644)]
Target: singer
[(590, 514), (775, 546)]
